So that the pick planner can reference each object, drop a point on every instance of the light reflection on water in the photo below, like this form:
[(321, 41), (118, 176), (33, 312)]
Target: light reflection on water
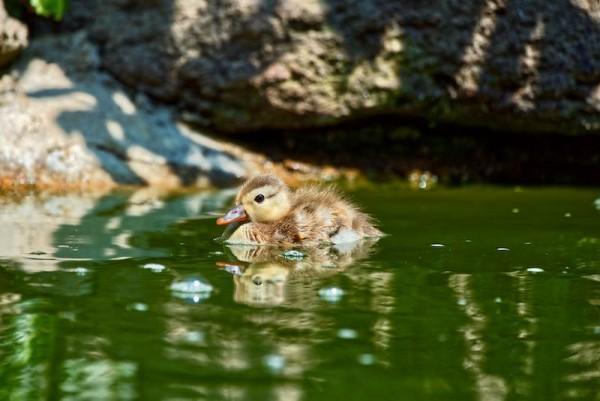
[(88, 310)]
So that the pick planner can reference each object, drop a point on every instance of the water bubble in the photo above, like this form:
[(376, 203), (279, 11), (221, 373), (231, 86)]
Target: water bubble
[(501, 249), (139, 306), (498, 300), (366, 359), (331, 294), (437, 245), (274, 362), (597, 203), (293, 255), (347, 334), (192, 288), (535, 269), (154, 267), (567, 215), (194, 337), (468, 241), (79, 270), (515, 210)]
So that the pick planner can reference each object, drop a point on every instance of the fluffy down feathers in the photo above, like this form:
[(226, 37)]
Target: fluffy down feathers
[(316, 215)]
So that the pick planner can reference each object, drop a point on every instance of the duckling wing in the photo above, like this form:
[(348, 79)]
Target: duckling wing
[(314, 222), (322, 215)]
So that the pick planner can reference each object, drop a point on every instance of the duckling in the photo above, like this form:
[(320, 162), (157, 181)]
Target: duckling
[(275, 214)]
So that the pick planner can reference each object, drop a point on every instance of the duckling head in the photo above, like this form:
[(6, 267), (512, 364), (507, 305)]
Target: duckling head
[(262, 199)]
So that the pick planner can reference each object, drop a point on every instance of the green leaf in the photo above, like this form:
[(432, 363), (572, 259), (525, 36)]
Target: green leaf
[(50, 8)]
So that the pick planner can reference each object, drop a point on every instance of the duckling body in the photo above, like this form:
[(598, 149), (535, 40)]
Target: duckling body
[(307, 216)]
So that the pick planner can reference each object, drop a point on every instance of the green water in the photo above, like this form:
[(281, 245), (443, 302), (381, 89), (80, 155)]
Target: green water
[(475, 294)]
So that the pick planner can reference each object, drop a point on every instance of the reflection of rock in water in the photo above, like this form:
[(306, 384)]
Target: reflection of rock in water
[(264, 276), (39, 231), (28, 225)]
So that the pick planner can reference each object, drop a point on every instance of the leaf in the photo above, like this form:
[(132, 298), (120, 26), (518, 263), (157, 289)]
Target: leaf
[(50, 8)]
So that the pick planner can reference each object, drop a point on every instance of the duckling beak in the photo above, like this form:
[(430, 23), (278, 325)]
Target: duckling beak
[(236, 214)]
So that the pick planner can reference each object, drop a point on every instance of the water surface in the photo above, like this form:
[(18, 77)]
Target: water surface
[(475, 294)]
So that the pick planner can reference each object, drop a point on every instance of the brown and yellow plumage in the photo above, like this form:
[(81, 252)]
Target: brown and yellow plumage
[(307, 216)]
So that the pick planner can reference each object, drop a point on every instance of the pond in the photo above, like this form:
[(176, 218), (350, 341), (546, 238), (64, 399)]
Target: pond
[(476, 293)]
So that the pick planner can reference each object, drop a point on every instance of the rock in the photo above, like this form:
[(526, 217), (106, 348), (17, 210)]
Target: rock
[(13, 37), (66, 124), (240, 65)]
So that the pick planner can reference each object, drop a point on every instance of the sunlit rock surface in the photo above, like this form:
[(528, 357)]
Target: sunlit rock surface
[(65, 124), (13, 37), (245, 65)]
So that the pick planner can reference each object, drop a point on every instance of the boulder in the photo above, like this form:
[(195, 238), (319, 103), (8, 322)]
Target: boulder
[(13, 37), (244, 65), (66, 124)]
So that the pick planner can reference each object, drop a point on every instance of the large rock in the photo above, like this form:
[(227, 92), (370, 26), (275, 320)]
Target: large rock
[(13, 37), (66, 124), (521, 65)]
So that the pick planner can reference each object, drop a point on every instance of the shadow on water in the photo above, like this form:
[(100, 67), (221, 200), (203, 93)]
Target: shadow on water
[(463, 319)]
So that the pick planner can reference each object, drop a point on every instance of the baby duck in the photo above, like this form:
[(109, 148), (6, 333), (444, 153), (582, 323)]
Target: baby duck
[(307, 216)]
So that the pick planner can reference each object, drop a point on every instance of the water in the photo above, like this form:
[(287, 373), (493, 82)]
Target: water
[(446, 307)]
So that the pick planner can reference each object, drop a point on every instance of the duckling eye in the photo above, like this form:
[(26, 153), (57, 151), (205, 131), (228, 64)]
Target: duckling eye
[(259, 198)]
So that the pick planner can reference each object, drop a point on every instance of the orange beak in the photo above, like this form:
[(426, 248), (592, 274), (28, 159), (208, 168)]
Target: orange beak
[(236, 214)]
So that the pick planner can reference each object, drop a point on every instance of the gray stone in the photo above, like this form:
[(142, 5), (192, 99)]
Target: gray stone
[(13, 37), (67, 124), (240, 65)]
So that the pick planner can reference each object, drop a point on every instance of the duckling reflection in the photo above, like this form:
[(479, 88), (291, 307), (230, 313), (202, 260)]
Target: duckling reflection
[(274, 276)]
